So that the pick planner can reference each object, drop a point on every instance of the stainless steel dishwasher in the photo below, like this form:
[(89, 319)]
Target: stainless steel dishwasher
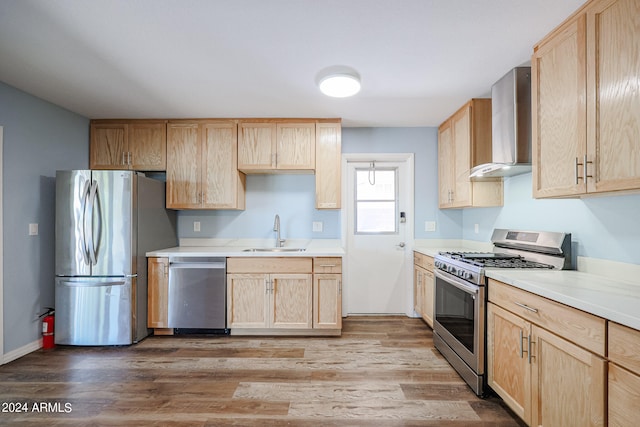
[(198, 294)]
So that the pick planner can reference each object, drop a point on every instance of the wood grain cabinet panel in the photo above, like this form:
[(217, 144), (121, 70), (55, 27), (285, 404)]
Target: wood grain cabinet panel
[(128, 145), (256, 146), (543, 376), (423, 287), (327, 293), (202, 168), (624, 375), (586, 110), (271, 146), (327, 301), (464, 141), (328, 165), (272, 296), (158, 292)]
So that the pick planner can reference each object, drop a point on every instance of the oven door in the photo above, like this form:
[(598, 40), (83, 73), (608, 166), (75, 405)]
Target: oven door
[(460, 318)]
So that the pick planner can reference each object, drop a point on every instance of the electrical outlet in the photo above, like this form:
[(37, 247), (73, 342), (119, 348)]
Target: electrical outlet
[(476, 228), (429, 226), (33, 229), (317, 226), (196, 226)]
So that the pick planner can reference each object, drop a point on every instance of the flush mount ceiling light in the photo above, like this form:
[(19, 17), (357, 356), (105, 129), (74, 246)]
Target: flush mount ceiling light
[(339, 82)]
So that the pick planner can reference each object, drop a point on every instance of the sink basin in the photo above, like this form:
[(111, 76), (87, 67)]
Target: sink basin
[(274, 250)]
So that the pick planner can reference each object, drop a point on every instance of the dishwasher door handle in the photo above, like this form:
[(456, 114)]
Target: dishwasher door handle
[(219, 265)]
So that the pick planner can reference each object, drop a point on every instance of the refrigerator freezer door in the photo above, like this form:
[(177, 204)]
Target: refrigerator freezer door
[(72, 194), (92, 311), (111, 202)]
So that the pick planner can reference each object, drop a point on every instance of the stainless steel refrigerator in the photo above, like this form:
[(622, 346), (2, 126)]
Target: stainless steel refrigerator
[(106, 221)]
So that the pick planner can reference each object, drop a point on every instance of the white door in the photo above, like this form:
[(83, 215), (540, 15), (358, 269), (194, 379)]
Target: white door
[(379, 233)]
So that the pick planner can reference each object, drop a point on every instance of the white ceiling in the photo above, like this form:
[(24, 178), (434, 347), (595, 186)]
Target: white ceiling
[(419, 59)]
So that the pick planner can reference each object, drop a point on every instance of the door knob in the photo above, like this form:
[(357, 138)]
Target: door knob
[(400, 245)]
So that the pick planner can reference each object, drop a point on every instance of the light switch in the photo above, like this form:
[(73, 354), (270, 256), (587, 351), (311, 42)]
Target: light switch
[(476, 228), (196, 225), (33, 229), (429, 226), (317, 226)]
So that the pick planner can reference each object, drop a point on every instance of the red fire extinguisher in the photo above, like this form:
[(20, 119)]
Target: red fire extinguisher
[(48, 320)]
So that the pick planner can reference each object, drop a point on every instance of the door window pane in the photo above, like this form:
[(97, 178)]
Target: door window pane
[(376, 203)]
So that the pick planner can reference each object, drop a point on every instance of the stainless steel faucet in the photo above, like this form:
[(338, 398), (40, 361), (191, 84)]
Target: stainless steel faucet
[(276, 228)]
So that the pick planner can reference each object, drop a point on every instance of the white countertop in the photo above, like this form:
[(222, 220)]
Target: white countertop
[(236, 248), (614, 300)]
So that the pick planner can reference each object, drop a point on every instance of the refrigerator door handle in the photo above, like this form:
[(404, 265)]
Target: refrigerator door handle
[(91, 242), (77, 284), (85, 230)]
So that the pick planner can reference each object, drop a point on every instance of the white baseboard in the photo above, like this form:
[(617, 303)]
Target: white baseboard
[(22, 351)]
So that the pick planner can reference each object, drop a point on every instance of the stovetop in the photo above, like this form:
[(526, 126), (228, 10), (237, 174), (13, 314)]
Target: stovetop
[(494, 260), (470, 266)]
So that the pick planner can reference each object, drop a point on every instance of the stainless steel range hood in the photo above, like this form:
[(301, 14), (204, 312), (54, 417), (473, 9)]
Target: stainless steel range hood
[(510, 126)]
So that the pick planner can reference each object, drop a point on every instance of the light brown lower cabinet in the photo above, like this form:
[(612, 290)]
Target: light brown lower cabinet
[(275, 296), (624, 375), (269, 301), (327, 301), (158, 295), (423, 287), (545, 378)]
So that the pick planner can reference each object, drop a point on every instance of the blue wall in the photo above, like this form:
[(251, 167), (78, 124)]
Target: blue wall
[(290, 196), (605, 227), (293, 196), (39, 138)]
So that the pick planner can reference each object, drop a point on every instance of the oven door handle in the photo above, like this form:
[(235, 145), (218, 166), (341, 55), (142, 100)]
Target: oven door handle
[(458, 283)]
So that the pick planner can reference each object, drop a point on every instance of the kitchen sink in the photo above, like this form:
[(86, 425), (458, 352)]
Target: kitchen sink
[(274, 250)]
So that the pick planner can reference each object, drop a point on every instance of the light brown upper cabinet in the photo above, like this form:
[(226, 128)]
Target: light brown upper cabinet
[(464, 141), (202, 166), (328, 165), (269, 146), (586, 106), (131, 144)]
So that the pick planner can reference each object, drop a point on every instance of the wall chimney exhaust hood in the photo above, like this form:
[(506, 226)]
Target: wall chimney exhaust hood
[(510, 126)]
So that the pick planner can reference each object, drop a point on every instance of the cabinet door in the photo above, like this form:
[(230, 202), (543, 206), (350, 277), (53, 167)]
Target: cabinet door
[(428, 301), (222, 185), (148, 146), (558, 91), (158, 292), (328, 165), (109, 146), (327, 301), (292, 301), (183, 166), (248, 300), (445, 165), (461, 124), (508, 369), (624, 397), (568, 383), (257, 146), (296, 148), (613, 104), (418, 292)]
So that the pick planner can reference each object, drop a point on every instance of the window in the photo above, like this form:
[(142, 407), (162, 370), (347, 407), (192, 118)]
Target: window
[(376, 195)]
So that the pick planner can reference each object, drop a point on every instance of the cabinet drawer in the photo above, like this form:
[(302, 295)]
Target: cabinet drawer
[(266, 265), (327, 265), (423, 261), (581, 328), (624, 346)]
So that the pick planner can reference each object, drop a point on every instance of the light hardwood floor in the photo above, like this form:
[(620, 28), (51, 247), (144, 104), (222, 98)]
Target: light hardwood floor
[(382, 371)]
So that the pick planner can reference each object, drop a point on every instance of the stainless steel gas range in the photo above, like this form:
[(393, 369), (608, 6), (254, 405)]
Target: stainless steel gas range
[(461, 292)]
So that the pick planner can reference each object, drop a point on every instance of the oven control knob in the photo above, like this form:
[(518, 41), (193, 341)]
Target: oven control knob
[(467, 275)]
